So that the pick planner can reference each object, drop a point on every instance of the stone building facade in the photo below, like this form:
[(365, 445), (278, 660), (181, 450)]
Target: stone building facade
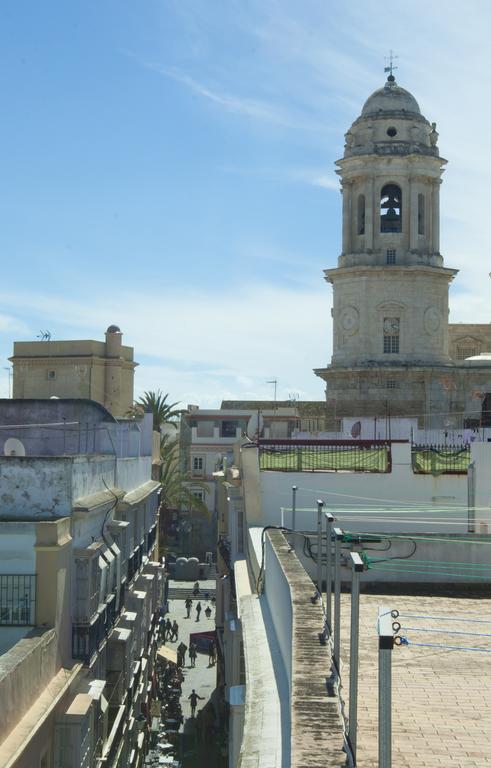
[(393, 348), (94, 370)]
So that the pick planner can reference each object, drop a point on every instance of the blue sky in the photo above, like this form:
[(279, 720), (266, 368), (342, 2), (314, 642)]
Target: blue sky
[(168, 166)]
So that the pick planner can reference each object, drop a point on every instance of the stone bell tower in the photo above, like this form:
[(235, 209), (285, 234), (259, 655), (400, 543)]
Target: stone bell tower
[(390, 288)]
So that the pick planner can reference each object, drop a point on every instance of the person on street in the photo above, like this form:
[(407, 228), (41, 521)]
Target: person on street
[(188, 605), (193, 652), (207, 611), (175, 631), (212, 654), (167, 630), (196, 588), (198, 611), (193, 698), (181, 654)]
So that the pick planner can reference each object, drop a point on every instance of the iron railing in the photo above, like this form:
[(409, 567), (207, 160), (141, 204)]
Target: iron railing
[(325, 455), (440, 459), (17, 599)]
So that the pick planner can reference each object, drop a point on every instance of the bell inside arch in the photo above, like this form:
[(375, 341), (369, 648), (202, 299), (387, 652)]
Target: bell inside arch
[(390, 208)]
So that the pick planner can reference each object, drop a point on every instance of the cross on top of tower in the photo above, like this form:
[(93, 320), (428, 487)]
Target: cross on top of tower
[(391, 66)]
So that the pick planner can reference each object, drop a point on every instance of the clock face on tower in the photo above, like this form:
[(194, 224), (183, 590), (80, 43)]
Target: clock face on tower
[(391, 325), (349, 320)]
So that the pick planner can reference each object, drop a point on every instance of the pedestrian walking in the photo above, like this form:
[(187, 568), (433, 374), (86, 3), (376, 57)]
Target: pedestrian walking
[(181, 654), (196, 588), (193, 698), (167, 630), (188, 605), (212, 654), (207, 611), (193, 652), (175, 631), (198, 611)]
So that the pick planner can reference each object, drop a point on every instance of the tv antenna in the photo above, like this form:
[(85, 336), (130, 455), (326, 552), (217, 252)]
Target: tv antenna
[(275, 382), (44, 335)]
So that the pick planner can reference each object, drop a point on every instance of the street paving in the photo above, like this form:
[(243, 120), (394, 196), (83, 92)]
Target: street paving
[(195, 751)]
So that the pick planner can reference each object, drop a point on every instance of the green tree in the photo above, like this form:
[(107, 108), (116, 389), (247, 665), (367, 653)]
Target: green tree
[(176, 492), (162, 411)]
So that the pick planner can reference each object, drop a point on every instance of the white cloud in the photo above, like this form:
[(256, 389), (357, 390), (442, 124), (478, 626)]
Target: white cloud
[(255, 109)]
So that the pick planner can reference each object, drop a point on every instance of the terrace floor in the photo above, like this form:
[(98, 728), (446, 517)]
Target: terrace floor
[(441, 698)]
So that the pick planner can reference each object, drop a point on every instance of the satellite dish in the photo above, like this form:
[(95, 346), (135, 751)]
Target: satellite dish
[(14, 447), (255, 426)]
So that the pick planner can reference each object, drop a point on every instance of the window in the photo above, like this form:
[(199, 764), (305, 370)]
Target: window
[(391, 131), (391, 255), (199, 493), (51, 375), (360, 225), (391, 335), (229, 428), (421, 214), (391, 208), (391, 345), (464, 352), (392, 384), (198, 463)]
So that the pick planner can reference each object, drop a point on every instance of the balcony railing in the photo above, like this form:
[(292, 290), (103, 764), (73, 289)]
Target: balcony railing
[(440, 459), (87, 637), (325, 455), (17, 599)]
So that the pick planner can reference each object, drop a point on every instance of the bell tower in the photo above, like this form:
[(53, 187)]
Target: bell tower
[(390, 288)]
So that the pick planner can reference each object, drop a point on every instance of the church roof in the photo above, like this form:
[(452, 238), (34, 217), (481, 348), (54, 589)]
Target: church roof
[(390, 98)]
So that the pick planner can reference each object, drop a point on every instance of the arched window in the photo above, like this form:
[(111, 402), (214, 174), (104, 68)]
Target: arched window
[(391, 208), (421, 214), (360, 222)]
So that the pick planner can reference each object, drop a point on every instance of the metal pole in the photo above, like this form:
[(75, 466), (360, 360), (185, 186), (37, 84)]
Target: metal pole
[(471, 498), (320, 504), (294, 512), (385, 645), (338, 535), (356, 569), (329, 522)]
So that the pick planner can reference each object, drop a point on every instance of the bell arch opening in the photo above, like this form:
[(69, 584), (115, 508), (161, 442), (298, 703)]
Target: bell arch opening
[(360, 219), (391, 208)]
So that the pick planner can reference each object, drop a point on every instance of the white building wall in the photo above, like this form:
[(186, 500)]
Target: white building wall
[(411, 498), (277, 592)]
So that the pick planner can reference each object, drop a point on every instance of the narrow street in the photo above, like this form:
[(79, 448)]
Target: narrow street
[(199, 739)]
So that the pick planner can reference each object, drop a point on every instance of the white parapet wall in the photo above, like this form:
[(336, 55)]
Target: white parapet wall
[(480, 493), (408, 501)]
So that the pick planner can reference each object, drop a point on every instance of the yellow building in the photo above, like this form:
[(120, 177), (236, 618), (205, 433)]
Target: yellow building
[(96, 370)]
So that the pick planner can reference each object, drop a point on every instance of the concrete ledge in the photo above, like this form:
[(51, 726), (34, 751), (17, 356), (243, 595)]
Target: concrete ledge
[(317, 734)]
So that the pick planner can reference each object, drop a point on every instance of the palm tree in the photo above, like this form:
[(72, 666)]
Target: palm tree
[(176, 492), (156, 404)]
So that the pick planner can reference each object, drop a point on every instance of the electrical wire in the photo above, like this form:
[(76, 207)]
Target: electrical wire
[(405, 642), (443, 618), (430, 573), (445, 631), (421, 538)]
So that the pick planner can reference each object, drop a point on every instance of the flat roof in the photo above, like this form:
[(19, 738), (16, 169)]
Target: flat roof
[(441, 697)]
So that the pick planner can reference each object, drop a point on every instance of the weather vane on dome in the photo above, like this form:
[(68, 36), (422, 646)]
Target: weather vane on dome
[(390, 58)]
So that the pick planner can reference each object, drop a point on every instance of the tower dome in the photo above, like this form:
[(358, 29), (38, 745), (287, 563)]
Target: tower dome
[(391, 98)]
